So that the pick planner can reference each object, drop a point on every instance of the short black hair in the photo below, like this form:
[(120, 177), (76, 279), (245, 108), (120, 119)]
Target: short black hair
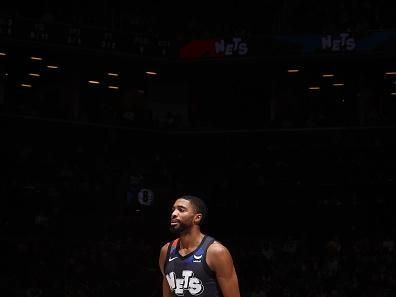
[(199, 205)]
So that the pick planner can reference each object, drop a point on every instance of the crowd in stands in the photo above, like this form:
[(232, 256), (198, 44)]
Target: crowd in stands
[(304, 213)]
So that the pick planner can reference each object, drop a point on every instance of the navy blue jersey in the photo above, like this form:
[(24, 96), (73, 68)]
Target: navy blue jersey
[(190, 275)]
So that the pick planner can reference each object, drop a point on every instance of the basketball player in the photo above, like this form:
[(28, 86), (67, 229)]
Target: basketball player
[(195, 264)]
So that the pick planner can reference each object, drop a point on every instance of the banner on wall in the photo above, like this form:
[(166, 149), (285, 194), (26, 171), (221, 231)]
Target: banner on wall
[(215, 48), (280, 45)]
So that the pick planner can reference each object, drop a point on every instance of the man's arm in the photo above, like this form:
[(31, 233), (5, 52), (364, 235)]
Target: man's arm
[(220, 261), (166, 292)]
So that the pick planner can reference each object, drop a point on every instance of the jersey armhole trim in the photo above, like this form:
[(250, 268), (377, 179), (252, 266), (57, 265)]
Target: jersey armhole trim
[(208, 270)]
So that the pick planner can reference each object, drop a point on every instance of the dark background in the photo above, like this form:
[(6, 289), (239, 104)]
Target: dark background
[(300, 183)]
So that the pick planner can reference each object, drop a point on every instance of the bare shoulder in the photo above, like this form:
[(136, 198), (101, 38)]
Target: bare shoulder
[(165, 247), (218, 255), (216, 249), (163, 252), (162, 256)]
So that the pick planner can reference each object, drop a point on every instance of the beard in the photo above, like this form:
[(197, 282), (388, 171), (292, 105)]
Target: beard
[(178, 229)]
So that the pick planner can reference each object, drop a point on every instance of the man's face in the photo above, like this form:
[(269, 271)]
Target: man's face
[(182, 216)]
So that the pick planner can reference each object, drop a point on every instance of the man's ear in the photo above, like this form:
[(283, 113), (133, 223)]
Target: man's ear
[(198, 218)]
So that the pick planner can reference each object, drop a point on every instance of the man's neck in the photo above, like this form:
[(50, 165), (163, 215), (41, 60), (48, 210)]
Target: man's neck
[(191, 240)]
